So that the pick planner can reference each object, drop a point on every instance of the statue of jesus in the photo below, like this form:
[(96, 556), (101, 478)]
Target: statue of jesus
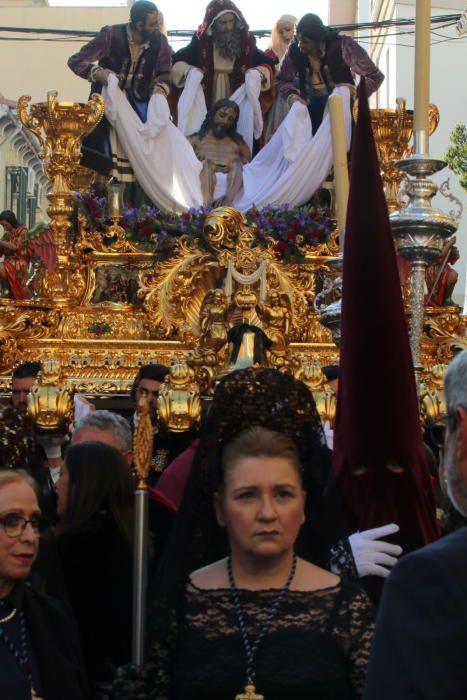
[(222, 150)]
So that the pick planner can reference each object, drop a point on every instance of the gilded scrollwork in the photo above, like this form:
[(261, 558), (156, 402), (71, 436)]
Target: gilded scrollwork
[(222, 225), (24, 320), (432, 405), (444, 334), (111, 240), (173, 292), (8, 351)]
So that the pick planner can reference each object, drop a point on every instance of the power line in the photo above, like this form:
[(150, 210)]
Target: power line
[(81, 34)]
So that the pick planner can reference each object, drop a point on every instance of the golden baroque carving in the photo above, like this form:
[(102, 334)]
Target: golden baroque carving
[(110, 323), (178, 404), (8, 351), (49, 403), (222, 225), (173, 292), (23, 320), (143, 440), (112, 240), (444, 334), (432, 405)]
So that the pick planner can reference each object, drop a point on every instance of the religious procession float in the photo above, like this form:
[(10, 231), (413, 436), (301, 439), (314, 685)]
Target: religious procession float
[(206, 288)]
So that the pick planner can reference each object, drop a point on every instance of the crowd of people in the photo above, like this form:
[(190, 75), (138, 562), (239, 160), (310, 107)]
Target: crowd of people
[(256, 586), (305, 62)]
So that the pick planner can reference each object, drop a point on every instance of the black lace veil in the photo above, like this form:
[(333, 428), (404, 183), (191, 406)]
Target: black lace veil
[(254, 396)]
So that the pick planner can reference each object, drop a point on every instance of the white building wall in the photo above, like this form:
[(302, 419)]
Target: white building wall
[(34, 67)]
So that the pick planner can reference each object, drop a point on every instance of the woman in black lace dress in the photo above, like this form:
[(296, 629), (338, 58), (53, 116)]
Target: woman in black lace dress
[(314, 630), (259, 616)]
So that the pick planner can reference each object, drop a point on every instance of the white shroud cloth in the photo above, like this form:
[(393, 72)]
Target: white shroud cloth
[(191, 106), (288, 170), (164, 162)]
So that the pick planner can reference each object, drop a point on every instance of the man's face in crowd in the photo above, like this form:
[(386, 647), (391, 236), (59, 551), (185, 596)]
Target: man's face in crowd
[(455, 459), (224, 119), (150, 389), (306, 45), (91, 434), (225, 23), (20, 388), (149, 28)]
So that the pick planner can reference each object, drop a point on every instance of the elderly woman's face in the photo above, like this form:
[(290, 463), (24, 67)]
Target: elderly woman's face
[(18, 503), (262, 506)]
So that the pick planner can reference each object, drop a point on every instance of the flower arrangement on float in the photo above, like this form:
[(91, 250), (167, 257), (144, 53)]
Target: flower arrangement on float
[(291, 228)]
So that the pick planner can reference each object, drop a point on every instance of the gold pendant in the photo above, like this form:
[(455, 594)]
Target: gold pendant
[(34, 695), (249, 693)]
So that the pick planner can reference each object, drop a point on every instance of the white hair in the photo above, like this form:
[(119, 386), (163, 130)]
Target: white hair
[(113, 423)]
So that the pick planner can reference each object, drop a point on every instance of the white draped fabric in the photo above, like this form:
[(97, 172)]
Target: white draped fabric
[(257, 275), (164, 163), (288, 170), (192, 104), (250, 122)]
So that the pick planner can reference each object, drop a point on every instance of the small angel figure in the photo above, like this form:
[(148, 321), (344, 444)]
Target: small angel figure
[(213, 320), (19, 246), (276, 321)]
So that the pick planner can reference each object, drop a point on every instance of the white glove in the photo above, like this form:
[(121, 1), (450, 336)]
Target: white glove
[(371, 554), (52, 444)]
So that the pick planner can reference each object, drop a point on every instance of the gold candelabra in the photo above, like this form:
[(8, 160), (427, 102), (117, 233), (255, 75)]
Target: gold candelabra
[(393, 131), (60, 128)]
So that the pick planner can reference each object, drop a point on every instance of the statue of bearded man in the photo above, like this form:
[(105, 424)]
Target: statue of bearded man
[(222, 150), (224, 50)]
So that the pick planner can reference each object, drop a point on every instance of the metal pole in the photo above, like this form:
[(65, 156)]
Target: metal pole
[(417, 306), (140, 576), (143, 439)]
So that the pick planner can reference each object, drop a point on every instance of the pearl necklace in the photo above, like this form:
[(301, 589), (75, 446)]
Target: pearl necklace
[(9, 617)]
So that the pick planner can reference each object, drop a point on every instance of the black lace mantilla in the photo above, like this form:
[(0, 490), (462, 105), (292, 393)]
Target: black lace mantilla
[(317, 647)]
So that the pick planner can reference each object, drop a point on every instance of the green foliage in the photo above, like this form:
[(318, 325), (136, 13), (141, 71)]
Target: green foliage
[(456, 155)]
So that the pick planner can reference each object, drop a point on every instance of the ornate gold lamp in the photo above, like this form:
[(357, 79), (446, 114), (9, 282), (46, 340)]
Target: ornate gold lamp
[(179, 404), (392, 129), (60, 128), (49, 403)]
